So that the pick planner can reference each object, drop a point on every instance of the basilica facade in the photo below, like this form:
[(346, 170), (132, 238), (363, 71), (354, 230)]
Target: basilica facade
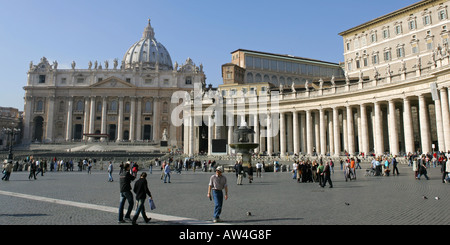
[(127, 100)]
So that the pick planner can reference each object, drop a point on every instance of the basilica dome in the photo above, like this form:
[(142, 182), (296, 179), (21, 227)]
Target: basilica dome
[(147, 53)]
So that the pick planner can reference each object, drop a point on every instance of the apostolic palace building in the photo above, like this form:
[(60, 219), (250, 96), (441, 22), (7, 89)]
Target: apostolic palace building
[(390, 94)]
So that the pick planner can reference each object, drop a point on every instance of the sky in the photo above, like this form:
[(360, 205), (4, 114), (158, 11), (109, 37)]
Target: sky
[(207, 31)]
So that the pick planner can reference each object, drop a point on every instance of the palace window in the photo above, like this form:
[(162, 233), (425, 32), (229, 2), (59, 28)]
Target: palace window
[(427, 20), (442, 14), (400, 51)]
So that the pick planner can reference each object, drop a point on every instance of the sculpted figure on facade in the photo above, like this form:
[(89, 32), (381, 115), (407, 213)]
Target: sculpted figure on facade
[(55, 64), (73, 65), (90, 65), (116, 63), (332, 81), (293, 87)]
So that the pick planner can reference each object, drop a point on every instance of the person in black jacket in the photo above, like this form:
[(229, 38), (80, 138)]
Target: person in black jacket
[(141, 190), (125, 193)]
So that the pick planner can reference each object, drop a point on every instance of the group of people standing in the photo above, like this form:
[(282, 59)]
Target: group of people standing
[(313, 171)]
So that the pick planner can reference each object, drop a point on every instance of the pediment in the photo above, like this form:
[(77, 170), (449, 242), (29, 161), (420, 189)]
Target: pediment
[(112, 82)]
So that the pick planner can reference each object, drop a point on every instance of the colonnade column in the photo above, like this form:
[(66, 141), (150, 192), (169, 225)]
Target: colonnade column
[(424, 125), (379, 144), (322, 133), (445, 117), (350, 131), (393, 133), (336, 132), (364, 130), (309, 140), (408, 126), (439, 124), (282, 135), (295, 132)]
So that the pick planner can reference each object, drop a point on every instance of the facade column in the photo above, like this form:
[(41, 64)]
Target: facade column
[(322, 133), (295, 136), (350, 131), (393, 132), (156, 116), (86, 118), (379, 145), (28, 111), (69, 119), (210, 134), (445, 118), (103, 126), (309, 141), (186, 135), (282, 134), (336, 132), (191, 136), (132, 118), (364, 130), (120, 121), (50, 118), (139, 120), (92, 119), (424, 125), (408, 126)]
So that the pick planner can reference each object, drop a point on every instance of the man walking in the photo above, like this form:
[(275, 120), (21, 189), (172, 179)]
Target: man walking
[(110, 170), (327, 175), (217, 183), (125, 193), (141, 190), (166, 172)]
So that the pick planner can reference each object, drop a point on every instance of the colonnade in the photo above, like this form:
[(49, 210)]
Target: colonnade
[(394, 125)]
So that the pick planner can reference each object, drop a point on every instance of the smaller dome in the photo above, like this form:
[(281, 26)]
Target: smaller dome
[(147, 53)]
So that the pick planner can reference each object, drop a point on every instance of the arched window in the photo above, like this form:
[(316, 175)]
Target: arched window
[(249, 77)]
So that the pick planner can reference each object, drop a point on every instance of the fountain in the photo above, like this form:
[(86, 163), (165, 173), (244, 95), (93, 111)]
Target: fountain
[(242, 145)]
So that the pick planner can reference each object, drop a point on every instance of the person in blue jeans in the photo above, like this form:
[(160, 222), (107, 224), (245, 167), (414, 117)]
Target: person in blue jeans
[(125, 193), (217, 183), (166, 173)]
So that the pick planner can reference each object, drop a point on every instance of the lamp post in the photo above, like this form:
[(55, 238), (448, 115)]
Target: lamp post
[(11, 133)]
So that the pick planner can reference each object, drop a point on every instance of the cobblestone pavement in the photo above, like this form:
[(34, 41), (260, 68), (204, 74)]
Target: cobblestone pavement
[(78, 198)]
